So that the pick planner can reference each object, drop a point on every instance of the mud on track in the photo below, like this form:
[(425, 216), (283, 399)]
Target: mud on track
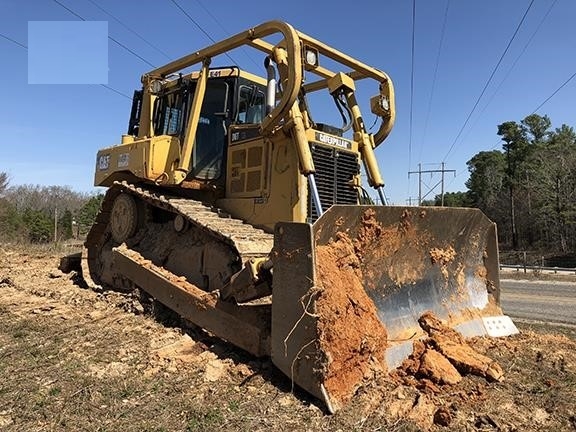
[(74, 359)]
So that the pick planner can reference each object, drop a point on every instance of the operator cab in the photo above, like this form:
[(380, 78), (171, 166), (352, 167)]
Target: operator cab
[(232, 97)]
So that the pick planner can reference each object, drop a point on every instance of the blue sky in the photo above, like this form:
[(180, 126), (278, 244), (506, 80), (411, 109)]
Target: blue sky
[(67, 52), (51, 132)]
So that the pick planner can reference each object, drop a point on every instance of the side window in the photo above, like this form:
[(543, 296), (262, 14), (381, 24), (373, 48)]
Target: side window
[(251, 105), (210, 144), (168, 114), (172, 119)]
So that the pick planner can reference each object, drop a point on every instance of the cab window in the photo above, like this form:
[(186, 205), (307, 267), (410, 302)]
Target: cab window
[(210, 144), (251, 105), (169, 115)]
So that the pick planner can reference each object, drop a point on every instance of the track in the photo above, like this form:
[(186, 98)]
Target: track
[(212, 239)]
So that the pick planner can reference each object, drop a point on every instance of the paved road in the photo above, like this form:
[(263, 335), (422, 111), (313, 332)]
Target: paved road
[(546, 301)]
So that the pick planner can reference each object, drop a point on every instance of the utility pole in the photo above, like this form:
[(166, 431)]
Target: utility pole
[(442, 171), (442, 188)]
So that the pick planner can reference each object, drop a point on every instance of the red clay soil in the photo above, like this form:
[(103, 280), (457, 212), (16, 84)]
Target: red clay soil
[(442, 256), (396, 248), (445, 356), (350, 334), (452, 345)]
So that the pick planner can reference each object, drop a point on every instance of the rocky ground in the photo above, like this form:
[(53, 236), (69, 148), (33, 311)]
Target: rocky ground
[(75, 359)]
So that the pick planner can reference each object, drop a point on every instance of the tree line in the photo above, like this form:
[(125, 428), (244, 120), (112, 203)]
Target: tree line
[(40, 214), (528, 187)]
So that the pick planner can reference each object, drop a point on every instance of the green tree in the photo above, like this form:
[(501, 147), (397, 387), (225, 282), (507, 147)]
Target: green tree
[(65, 225), (9, 222), (487, 174), (12, 226), (521, 140), (537, 128), (454, 199), (87, 213), (3, 182), (529, 188), (555, 181), (38, 224)]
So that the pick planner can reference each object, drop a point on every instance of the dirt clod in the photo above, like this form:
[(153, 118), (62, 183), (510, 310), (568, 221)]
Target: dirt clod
[(434, 326), (55, 274), (438, 368), (442, 256), (467, 360), (484, 422), (423, 412), (452, 346), (442, 417)]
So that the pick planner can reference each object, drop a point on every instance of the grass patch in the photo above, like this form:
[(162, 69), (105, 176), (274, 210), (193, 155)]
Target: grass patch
[(210, 419), (54, 391)]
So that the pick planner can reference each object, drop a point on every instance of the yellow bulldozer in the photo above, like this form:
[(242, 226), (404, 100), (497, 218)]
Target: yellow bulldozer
[(230, 205)]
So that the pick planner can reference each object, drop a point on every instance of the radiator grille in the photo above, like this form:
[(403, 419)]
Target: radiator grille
[(334, 170)]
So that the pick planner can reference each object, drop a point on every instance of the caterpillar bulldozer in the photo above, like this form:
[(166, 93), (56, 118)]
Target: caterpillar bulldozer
[(230, 205)]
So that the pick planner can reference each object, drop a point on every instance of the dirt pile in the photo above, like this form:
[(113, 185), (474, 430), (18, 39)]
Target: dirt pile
[(350, 334), (444, 357)]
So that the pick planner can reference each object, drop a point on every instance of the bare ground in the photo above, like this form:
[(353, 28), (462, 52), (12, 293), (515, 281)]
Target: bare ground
[(74, 359)]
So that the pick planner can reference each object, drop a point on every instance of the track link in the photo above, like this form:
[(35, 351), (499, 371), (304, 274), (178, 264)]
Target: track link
[(245, 240)]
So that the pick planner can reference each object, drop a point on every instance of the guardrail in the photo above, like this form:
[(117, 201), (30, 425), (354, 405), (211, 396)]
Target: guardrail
[(527, 268)]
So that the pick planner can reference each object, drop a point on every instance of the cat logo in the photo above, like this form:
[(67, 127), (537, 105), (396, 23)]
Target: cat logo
[(333, 141)]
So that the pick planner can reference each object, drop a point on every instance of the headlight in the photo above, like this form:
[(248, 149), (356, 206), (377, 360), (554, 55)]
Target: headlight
[(311, 56), (155, 86)]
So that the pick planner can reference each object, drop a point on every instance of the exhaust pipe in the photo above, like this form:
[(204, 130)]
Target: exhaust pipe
[(271, 86)]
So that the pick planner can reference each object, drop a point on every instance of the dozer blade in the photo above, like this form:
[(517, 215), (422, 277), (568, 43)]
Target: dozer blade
[(349, 289)]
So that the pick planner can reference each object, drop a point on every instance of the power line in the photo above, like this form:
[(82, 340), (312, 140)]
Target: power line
[(109, 37), (442, 32), (200, 27), (131, 52), (103, 85), (412, 82), (69, 10), (116, 91), (134, 32), (555, 91), (226, 31), (510, 70), (193, 21), (212, 16), (489, 79), (525, 46), (514, 64), (13, 41)]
